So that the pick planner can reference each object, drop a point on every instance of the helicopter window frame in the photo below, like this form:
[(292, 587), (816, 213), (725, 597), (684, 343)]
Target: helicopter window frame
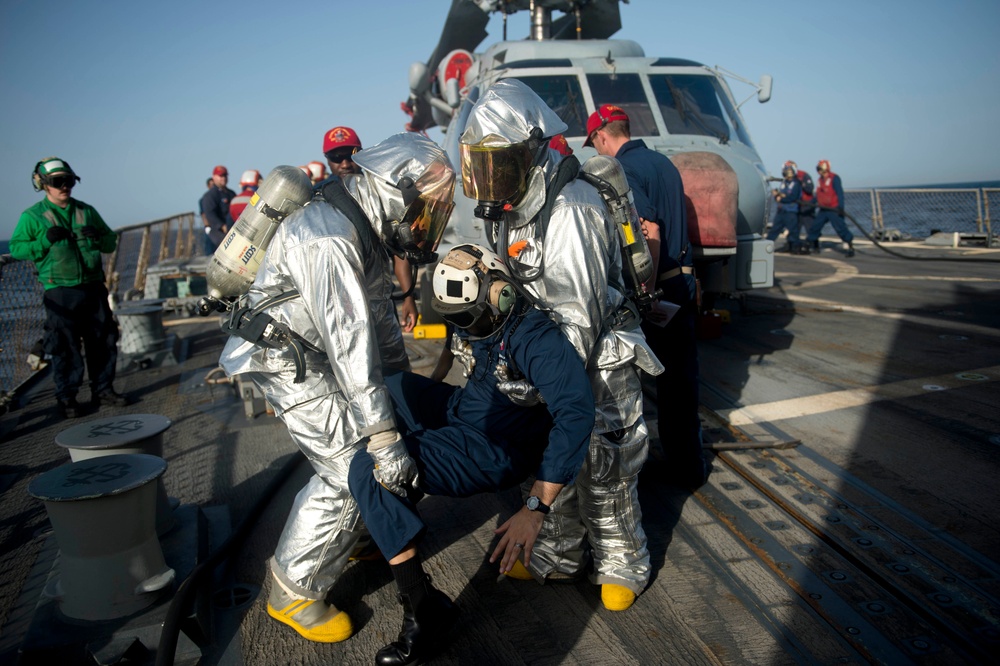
[(642, 116), (725, 112), (580, 104)]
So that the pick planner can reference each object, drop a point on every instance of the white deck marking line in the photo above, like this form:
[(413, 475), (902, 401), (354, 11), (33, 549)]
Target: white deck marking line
[(845, 271), (958, 326), (859, 397), (841, 271), (909, 278)]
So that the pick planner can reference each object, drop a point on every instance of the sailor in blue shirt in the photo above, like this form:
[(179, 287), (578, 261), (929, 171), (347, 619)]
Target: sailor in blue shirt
[(659, 199), (475, 439)]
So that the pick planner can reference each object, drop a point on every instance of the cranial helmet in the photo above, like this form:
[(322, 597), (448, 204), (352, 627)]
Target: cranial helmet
[(47, 169), (788, 169), (501, 141), (414, 183), (317, 171), (250, 178), (823, 166), (471, 282)]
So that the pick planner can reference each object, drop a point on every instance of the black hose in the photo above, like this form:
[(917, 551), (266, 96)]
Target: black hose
[(898, 255), (180, 606)]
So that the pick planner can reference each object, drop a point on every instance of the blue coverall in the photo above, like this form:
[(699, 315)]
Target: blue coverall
[(787, 217), (826, 214), (474, 439), (659, 197)]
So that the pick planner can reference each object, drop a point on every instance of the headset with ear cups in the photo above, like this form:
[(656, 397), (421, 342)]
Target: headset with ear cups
[(469, 282), (501, 295), (36, 178)]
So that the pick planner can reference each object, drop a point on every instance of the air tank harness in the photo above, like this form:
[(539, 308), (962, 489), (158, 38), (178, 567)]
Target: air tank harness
[(257, 327)]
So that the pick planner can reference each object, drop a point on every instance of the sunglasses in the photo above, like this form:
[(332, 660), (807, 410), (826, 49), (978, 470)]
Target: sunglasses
[(339, 155), (60, 182)]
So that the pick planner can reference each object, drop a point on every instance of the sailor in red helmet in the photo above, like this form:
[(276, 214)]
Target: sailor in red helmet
[(339, 146), (249, 181), (830, 200), (317, 172)]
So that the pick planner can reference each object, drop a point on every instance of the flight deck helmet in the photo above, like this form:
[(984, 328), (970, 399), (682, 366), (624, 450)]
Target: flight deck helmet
[(472, 288), (50, 171)]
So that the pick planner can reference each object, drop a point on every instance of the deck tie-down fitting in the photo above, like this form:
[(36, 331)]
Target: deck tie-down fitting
[(102, 512), (125, 433)]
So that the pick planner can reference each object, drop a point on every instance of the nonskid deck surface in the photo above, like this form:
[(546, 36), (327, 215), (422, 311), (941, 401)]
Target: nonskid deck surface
[(849, 517)]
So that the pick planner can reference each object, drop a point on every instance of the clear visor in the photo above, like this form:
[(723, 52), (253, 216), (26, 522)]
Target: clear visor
[(496, 173)]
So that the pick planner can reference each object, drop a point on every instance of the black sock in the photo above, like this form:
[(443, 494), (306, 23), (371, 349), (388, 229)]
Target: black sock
[(410, 578)]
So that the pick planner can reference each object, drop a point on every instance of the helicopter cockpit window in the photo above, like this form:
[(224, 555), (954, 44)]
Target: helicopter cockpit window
[(625, 90), (694, 104), (563, 94)]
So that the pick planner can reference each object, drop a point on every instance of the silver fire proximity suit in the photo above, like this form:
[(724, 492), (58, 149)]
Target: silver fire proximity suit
[(345, 318), (576, 262)]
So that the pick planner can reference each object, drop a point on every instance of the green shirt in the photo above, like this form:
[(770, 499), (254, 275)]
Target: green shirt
[(68, 262)]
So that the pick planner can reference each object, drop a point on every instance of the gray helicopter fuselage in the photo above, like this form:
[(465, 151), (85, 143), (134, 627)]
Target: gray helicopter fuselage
[(674, 105)]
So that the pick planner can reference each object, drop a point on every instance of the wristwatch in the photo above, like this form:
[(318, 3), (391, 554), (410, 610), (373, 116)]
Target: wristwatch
[(535, 504)]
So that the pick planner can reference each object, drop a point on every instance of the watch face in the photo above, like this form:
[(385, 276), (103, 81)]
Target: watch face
[(533, 503)]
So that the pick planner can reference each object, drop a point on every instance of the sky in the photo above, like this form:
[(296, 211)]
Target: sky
[(143, 99)]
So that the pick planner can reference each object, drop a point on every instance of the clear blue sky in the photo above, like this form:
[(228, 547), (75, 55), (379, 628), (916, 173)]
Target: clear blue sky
[(144, 98)]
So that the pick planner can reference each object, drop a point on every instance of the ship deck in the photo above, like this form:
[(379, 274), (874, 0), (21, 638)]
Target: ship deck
[(850, 517)]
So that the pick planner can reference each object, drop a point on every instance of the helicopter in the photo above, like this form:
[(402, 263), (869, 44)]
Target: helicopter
[(679, 107)]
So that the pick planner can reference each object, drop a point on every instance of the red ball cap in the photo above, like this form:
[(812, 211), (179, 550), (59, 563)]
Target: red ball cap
[(608, 113), (220, 171), (559, 143), (339, 137)]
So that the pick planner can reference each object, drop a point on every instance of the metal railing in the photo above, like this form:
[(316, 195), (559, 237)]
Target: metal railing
[(914, 212), (22, 316), (919, 213)]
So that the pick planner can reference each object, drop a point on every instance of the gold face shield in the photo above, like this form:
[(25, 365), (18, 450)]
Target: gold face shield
[(495, 172), (427, 212), (422, 226)]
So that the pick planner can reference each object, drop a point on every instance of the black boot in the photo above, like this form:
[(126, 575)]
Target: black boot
[(428, 614)]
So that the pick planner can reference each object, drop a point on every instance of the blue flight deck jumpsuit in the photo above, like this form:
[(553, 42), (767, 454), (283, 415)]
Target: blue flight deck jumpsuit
[(474, 440), (659, 197), (787, 216), (830, 198)]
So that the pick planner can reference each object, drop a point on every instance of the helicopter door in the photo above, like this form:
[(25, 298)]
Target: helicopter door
[(627, 92)]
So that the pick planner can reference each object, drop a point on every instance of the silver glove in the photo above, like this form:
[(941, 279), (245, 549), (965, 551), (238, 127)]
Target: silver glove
[(521, 393), (462, 350), (394, 468)]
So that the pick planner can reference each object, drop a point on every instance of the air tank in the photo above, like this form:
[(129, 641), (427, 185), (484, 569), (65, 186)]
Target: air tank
[(613, 186), (234, 264)]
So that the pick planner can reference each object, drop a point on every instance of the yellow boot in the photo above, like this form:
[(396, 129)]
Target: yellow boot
[(313, 619), (616, 597), (519, 572)]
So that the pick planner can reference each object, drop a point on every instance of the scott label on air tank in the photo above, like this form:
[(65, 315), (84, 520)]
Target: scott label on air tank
[(235, 263)]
